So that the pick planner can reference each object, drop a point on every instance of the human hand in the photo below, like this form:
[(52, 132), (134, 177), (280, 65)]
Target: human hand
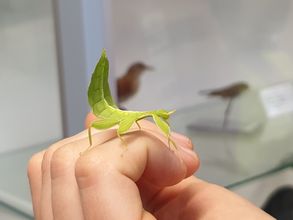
[(146, 181)]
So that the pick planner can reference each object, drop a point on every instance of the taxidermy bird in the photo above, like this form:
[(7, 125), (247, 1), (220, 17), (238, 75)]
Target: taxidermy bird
[(229, 92), (128, 84)]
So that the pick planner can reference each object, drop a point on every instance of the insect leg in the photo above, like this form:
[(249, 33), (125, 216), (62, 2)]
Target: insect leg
[(90, 135), (124, 126), (121, 139), (89, 130), (138, 125), (172, 142), (100, 124), (169, 137), (164, 126)]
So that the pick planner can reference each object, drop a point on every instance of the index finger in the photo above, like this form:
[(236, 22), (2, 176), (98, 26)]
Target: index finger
[(107, 180)]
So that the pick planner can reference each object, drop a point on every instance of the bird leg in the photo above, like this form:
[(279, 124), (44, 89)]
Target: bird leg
[(227, 112)]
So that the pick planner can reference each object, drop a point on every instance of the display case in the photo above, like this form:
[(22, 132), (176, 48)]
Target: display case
[(49, 48), (249, 145)]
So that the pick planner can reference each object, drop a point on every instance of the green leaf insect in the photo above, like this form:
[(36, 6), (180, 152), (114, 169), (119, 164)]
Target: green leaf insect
[(109, 115)]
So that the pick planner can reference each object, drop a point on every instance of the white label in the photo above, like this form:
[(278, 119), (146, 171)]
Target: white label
[(278, 99)]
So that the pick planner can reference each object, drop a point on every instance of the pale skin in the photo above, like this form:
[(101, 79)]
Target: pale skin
[(149, 182)]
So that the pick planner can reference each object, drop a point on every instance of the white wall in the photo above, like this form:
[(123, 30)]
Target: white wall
[(199, 44), (82, 33), (30, 112)]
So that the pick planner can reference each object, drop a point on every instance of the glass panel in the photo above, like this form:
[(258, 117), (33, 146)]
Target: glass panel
[(11, 214), (205, 45), (246, 149), (14, 187)]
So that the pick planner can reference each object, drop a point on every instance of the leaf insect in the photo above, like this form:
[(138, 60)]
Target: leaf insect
[(109, 115)]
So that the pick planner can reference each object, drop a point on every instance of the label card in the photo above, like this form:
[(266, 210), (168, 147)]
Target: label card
[(278, 99)]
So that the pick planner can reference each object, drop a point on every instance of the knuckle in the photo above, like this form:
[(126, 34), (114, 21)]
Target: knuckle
[(62, 160), (90, 169), (83, 167), (48, 155)]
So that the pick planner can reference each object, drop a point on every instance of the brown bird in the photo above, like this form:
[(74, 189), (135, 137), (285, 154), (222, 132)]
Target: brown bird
[(228, 92), (128, 84)]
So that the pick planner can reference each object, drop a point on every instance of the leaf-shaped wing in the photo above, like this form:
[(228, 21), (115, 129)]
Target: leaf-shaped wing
[(99, 88), (106, 87)]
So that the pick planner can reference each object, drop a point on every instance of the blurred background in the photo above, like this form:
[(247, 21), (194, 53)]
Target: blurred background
[(226, 66)]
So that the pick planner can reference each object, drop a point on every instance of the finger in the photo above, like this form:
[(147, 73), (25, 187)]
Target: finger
[(46, 211), (148, 190), (107, 179), (65, 194), (184, 149), (46, 203), (35, 181), (203, 200)]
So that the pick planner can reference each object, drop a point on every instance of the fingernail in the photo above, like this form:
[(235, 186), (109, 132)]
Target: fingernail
[(187, 150), (183, 140)]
